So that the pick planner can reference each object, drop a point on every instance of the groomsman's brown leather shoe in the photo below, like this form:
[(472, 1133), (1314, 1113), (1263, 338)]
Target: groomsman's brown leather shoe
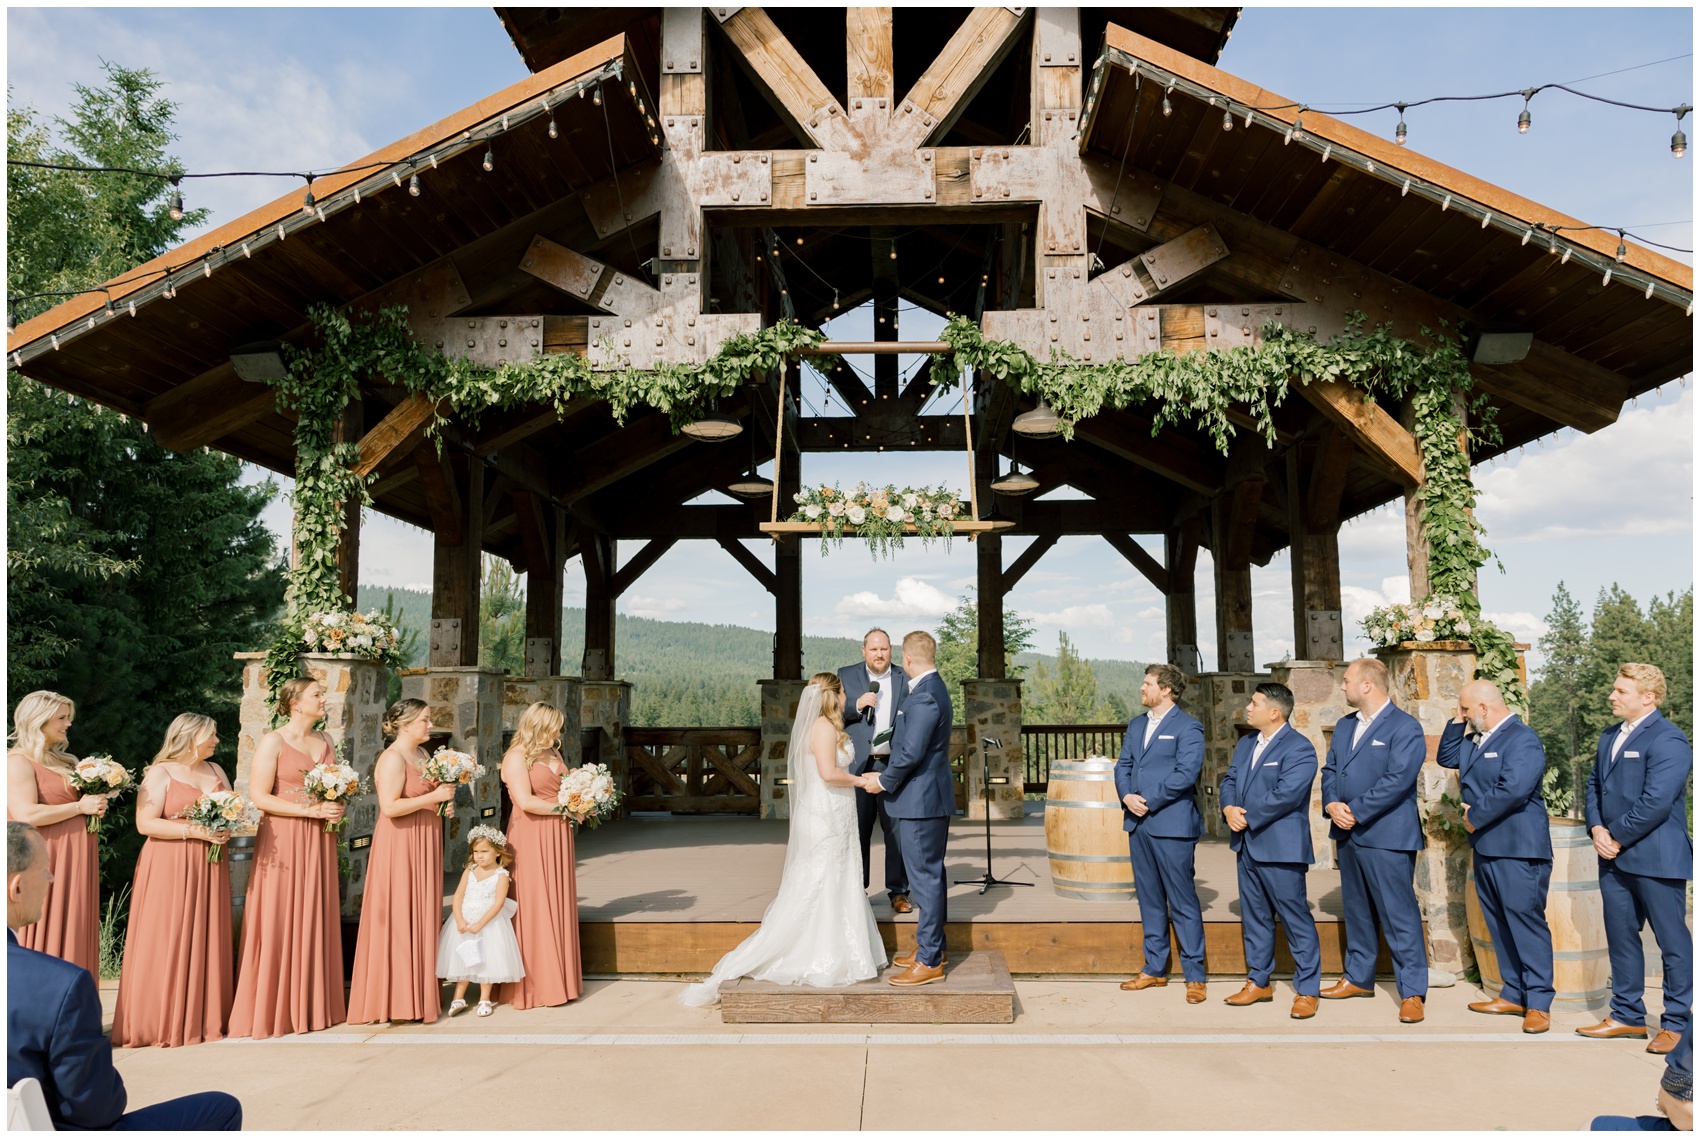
[(1536, 1022), (1345, 990), (1143, 981), (1497, 1007), (917, 974), (1609, 1028), (1194, 992), (905, 959), (1303, 1007), (1411, 1010), (900, 904), (1249, 995), (1662, 1043)]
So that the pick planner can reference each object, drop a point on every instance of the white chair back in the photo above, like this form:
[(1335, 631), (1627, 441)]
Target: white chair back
[(26, 1107)]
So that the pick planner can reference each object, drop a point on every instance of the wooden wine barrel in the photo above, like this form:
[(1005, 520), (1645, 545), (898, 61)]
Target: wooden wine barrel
[(1581, 968), (1083, 833)]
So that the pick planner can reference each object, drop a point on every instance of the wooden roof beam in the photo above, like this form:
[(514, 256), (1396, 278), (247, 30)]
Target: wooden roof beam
[(618, 456), (399, 430), (966, 64), (1149, 567), (1029, 558), (208, 407), (781, 74), (740, 552), (1378, 434), (1127, 435)]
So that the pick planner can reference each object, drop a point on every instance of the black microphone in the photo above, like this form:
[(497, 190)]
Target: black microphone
[(869, 714)]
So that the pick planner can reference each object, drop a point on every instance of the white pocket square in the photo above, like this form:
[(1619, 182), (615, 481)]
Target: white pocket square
[(1377, 743), (1490, 755), (1632, 754), (1165, 736)]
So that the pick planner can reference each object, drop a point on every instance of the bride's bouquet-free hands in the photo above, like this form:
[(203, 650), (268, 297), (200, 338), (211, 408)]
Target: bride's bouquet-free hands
[(222, 812), (448, 767), (99, 774), (588, 795)]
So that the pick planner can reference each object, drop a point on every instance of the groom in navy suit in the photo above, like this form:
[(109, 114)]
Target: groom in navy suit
[(1265, 799), (920, 798), (1369, 792), (1640, 830), (1156, 779)]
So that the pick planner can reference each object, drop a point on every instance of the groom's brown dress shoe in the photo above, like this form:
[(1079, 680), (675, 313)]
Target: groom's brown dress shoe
[(1250, 994), (1304, 1007), (1411, 1010), (917, 974), (905, 959), (1609, 1028), (1195, 992), (1536, 1022), (1345, 989), (1498, 1007), (1663, 1043), (900, 904), (1143, 981)]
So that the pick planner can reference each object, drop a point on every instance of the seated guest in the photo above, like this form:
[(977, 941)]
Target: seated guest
[(1676, 1094), (53, 1023)]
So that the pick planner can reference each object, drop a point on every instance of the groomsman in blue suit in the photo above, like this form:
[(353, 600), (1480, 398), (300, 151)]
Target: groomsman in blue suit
[(1636, 815), (1500, 772), (1265, 798), (1369, 792), (1157, 777), (875, 690)]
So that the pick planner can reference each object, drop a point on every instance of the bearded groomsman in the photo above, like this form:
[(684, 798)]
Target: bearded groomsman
[(1637, 818), (1265, 799), (875, 690), (1157, 778), (1499, 771), (1369, 792)]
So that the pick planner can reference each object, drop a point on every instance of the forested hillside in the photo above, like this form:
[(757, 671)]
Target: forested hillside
[(686, 674)]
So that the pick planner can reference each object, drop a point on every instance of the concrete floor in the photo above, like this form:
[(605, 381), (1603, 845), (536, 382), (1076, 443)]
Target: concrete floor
[(1081, 1055)]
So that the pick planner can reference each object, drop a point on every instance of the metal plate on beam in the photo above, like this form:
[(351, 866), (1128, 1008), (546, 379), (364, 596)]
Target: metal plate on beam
[(571, 272), (1010, 173), (1324, 635), (1333, 291), (676, 335), (1092, 327), (739, 178), (489, 340), (1127, 200), (724, 14), (681, 49), (1241, 325), (1125, 282), (899, 177), (1186, 256), (612, 208), (626, 296)]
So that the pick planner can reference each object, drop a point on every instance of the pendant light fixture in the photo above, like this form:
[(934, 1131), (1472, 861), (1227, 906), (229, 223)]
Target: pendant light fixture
[(713, 428), (1015, 482), (752, 485), (1039, 423)]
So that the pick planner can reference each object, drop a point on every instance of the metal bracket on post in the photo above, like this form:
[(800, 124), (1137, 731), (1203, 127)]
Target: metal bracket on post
[(1324, 635), (1238, 657), (445, 643)]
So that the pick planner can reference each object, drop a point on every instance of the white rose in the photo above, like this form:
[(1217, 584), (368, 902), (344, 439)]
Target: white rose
[(909, 500), (926, 511), (857, 515), (1464, 627), (895, 514), (1433, 612), (811, 511), (836, 509), (799, 497), (1426, 634)]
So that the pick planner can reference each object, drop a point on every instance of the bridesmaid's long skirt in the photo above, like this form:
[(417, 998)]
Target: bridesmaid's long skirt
[(176, 987), (546, 922), (69, 927), (290, 979), (395, 960)]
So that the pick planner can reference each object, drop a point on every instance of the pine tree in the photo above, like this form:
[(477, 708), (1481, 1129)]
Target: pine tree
[(958, 635), (1556, 700), (1671, 626), (501, 618), (1618, 635), (1067, 692)]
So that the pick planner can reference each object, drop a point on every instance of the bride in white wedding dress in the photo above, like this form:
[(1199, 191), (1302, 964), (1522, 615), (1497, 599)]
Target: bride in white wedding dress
[(820, 929)]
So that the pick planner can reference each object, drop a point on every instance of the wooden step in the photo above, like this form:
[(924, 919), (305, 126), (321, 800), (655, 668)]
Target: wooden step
[(976, 989)]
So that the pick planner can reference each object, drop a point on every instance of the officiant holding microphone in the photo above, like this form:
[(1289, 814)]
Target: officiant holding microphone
[(874, 690)]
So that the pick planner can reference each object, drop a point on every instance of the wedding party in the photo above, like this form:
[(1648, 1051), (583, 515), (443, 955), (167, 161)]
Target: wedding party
[(1146, 547)]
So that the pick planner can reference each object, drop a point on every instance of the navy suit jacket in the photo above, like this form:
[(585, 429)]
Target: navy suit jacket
[(855, 681), (53, 1036), (1502, 785), (1377, 780), (1164, 774), (1639, 798), (917, 780), (1275, 797)]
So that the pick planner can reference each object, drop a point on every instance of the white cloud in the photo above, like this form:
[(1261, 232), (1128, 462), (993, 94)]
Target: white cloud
[(1076, 616), (910, 597), (654, 607)]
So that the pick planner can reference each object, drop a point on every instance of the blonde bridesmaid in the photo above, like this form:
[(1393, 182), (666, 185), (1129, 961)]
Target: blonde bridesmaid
[(38, 792), (177, 981), (290, 978), (395, 959), (544, 885)]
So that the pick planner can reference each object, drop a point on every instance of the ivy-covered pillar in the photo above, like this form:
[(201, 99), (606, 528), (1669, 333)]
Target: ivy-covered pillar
[(988, 553), (597, 550), (349, 429), (454, 491)]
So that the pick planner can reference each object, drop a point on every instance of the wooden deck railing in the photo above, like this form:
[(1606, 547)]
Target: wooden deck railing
[(1045, 743), (695, 770)]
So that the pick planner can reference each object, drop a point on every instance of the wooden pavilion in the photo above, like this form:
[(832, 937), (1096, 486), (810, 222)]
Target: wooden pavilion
[(1084, 180)]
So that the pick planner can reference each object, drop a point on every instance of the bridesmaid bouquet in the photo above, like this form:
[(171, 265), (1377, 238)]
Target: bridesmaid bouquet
[(451, 768), (588, 793), (99, 774), (332, 782), (222, 812)]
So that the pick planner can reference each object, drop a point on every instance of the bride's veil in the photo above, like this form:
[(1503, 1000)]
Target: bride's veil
[(805, 783)]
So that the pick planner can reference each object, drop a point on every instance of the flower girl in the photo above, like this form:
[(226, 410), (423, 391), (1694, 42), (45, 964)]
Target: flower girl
[(477, 941)]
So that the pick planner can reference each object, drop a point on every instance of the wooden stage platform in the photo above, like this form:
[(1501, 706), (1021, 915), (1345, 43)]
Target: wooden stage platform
[(669, 896), (976, 989)]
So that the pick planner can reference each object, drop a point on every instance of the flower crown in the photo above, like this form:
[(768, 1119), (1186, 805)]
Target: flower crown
[(490, 834)]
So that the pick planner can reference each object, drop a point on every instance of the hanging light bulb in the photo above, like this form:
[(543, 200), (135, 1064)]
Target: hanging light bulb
[(1678, 143), (307, 202), (413, 186), (176, 200), (1622, 249), (596, 96), (554, 131), (1167, 109), (894, 252), (1523, 120), (1399, 131), (1606, 280), (1227, 120), (1565, 260), (489, 158), (1299, 124)]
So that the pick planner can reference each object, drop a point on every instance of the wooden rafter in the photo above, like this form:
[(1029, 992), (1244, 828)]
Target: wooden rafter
[(752, 564), (1377, 433), (1029, 558), (398, 430), (639, 565), (1148, 566)]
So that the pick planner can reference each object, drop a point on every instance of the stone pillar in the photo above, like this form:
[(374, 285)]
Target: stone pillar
[(778, 712), (1318, 703), (1218, 700), (254, 718), (563, 693), (992, 710), (606, 705), (467, 703), (1426, 682)]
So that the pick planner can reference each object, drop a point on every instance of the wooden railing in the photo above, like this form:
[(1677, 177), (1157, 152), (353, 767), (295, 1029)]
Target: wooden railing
[(1042, 744), (695, 770)]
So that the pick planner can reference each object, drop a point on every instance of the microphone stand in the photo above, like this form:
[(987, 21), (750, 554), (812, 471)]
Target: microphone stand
[(986, 882)]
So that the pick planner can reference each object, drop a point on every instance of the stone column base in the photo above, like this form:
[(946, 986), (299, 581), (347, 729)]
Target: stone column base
[(607, 706), (992, 710), (778, 712), (563, 693), (467, 703)]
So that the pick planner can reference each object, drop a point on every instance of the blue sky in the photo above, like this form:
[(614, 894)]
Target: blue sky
[(311, 88)]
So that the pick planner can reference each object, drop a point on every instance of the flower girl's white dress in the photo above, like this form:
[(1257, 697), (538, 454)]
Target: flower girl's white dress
[(498, 954)]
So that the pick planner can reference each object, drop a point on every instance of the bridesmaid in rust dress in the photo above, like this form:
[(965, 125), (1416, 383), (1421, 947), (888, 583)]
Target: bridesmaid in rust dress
[(546, 923), (177, 981), (290, 978), (37, 792), (395, 959)]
